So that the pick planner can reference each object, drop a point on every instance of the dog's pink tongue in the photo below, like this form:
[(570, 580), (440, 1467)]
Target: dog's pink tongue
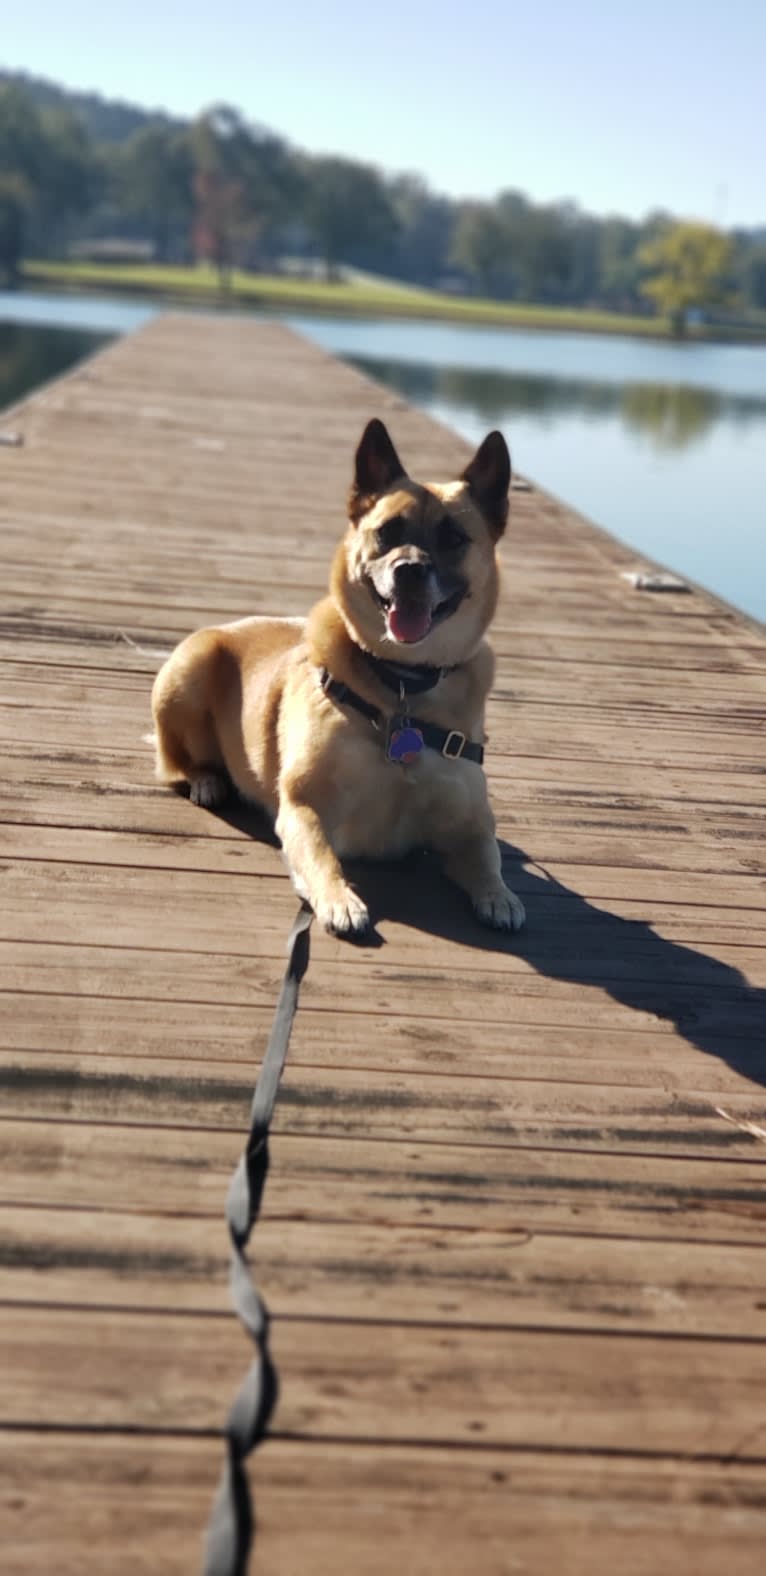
[(409, 624)]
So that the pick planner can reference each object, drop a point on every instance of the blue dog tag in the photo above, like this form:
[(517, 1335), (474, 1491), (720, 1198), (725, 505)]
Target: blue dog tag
[(404, 742)]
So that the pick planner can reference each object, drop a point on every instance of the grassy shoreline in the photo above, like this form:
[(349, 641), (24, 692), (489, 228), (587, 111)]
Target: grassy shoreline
[(200, 286)]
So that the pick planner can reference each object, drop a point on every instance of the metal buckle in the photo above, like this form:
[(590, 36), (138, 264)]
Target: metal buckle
[(447, 749)]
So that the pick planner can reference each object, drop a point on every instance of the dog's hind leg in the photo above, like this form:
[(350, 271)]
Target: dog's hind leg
[(185, 739), (195, 760), (210, 789)]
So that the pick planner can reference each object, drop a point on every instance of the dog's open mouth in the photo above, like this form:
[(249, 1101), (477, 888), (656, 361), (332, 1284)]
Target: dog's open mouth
[(409, 621)]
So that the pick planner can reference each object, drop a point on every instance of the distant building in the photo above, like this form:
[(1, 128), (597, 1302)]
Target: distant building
[(112, 249)]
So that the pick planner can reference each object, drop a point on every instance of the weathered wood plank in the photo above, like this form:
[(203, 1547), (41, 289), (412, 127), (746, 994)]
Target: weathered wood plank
[(104, 990), (417, 1510), (615, 840), (62, 802), (204, 1035), (182, 1171), (372, 1104), (74, 902), (736, 701), (400, 1382), (628, 993), (507, 1275), (239, 855)]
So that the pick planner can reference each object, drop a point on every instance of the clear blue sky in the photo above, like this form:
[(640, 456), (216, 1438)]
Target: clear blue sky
[(622, 106)]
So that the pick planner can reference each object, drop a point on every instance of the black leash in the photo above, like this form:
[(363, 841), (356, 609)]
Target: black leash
[(231, 1527)]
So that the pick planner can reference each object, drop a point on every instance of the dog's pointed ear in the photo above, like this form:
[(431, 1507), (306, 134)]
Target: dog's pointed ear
[(489, 479), (376, 467)]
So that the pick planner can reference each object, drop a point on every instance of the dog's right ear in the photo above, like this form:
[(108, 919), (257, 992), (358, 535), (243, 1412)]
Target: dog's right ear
[(489, 478), (376, 467)]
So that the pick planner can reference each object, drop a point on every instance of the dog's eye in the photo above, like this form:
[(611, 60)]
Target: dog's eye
[(390, 535), (449, 535)]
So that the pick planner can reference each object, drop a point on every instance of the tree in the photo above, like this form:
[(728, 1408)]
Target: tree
[(480, 245), (14, 203), (425, 224), (541, 253), (71, 178), (618, 265), (751, 270), (687, 266), (546, 254), (244, 181), (581, 276), (157, 181), (515, 213), (46, 173), (21, 166), (349, 213)]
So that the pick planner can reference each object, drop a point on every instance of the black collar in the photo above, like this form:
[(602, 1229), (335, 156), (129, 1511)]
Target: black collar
[(405, 678), (450, 742)]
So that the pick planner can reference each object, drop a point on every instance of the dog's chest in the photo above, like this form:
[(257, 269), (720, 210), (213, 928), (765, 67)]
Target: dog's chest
[(383, 808)]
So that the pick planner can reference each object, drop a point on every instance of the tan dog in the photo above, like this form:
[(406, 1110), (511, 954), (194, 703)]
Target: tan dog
[(360, 731)]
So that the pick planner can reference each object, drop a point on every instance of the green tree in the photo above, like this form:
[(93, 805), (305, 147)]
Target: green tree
[(515, 213), (548, 251), (349, 213), (582, 275), (425, 224), (71, 178), (687, 266), (751, 271), (21, 173), (546, 254), (480, 245), (15, 197), (618, 266), (156, 182), (47, 173), (244, 182)]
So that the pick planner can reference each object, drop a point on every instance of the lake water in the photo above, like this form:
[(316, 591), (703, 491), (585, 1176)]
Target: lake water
[(41, 336), (663, 444)]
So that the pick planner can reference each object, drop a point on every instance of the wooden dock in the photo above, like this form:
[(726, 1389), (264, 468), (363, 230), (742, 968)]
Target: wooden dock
[(513, 1246)]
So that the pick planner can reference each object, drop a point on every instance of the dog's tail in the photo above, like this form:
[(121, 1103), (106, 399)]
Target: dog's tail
[(160, 765), (166, 769), (169, 766)]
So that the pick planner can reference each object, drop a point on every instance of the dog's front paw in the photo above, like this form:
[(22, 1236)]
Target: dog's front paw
[(500, 909), (346, 915)]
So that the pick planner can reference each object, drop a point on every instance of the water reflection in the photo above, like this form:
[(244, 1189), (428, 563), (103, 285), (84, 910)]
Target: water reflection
[(32, 355), (673, 416)]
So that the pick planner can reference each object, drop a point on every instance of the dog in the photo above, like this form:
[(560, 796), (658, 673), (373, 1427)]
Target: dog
[(360, 730)]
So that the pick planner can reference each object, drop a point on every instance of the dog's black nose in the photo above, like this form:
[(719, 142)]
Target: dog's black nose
[(410, 574)]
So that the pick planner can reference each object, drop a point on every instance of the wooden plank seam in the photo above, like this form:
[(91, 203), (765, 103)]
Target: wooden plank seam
[(232, 1526)]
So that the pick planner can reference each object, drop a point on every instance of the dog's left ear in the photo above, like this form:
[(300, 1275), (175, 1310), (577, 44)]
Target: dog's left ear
[(489, 478), (377, 466)]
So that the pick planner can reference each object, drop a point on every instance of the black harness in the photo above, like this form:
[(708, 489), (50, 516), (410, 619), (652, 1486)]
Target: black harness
[(405, 735), (405, 678)]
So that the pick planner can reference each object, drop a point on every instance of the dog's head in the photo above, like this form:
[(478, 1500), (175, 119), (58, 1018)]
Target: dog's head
[(417, 570)]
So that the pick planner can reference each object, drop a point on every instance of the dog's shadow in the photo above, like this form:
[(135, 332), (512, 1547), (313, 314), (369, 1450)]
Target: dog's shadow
[(568, 938)]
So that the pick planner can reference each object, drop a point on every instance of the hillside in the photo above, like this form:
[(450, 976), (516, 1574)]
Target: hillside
[(106, 120)]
